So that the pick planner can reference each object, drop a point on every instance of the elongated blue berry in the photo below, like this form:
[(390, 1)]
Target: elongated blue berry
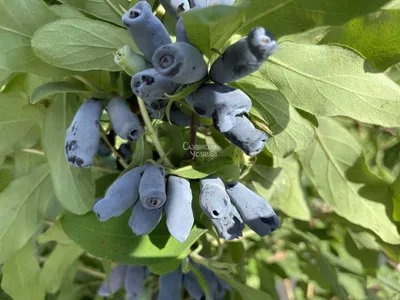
[(174, 7), (244, 57), (245, 136), (220, 102), (151, 86), (180, 62), (192, 286), (143, 220), (230, 226), (134, 280), (147, 31), (125, 151), (122, 194), (214, 200), (83, 135), (115, 281), (170, 285), (124, 122), (152, 187), (178, 208), (255, 210)]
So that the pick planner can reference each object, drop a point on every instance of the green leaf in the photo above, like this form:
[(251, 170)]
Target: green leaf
[(247, 293), (335, 164), (114, 240), (291, 16), (21, 275), (19, 20), (54, 233), (74, 187), (17, 128), (203, 170), (281, 187), (142, 151), (86, 44), (6, 177), (210, 28), (57, 264), (396, 199), (66, 11), (25, 82), (24, 163), (57, 87), (290, 131), (23, 205), (331, 81), (201, 280), (328, 272), (100, 8), (375, 36), (165, 267)]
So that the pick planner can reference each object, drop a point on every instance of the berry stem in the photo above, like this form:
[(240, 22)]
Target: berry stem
[(112, 148), (193, 132), (153, 134)]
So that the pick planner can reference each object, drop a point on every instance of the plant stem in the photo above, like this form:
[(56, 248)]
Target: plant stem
[(193, 131), (112, 148), (153, 134), (114, 8), (92, 272)]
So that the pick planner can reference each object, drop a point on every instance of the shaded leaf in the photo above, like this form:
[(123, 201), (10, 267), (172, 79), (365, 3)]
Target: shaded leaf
[(21, 275), (86, 44), (74, 187), (336, 166), (23, 205), (331, 81), (58, 87), (114, 240)]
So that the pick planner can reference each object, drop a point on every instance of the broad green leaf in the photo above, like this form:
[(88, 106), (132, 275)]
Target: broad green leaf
[(375, 36), (19, 20), (210, 28), (396, 199), (165, 267), (393, 4), (336, 167), (54, 233), (114, 240), (330, 275), (25, 82), (86, 44), (57, 264), (312, 36), (74, 187), (23, 205), (281, 187), (25, 162), (290, 131), (203, 170), (17, 128), (57, 87), (291, 16), (21, 275), (331, 81), (142, 151), (100, 8), (67, 11)]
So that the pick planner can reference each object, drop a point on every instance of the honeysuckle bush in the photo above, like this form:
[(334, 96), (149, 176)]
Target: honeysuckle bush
[(329, 99)]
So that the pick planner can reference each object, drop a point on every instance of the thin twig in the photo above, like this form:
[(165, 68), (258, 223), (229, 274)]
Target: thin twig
[(114, 8), (92, 272), (112, 148), (34, 151), (88, 83), (153, 134), (288, 288), (193, 131)]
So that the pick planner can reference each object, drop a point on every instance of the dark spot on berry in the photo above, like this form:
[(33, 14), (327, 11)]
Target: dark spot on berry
[(97, 123), (153, 202), (215, 213), (231, 184), (148, 80), (194, 68)]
